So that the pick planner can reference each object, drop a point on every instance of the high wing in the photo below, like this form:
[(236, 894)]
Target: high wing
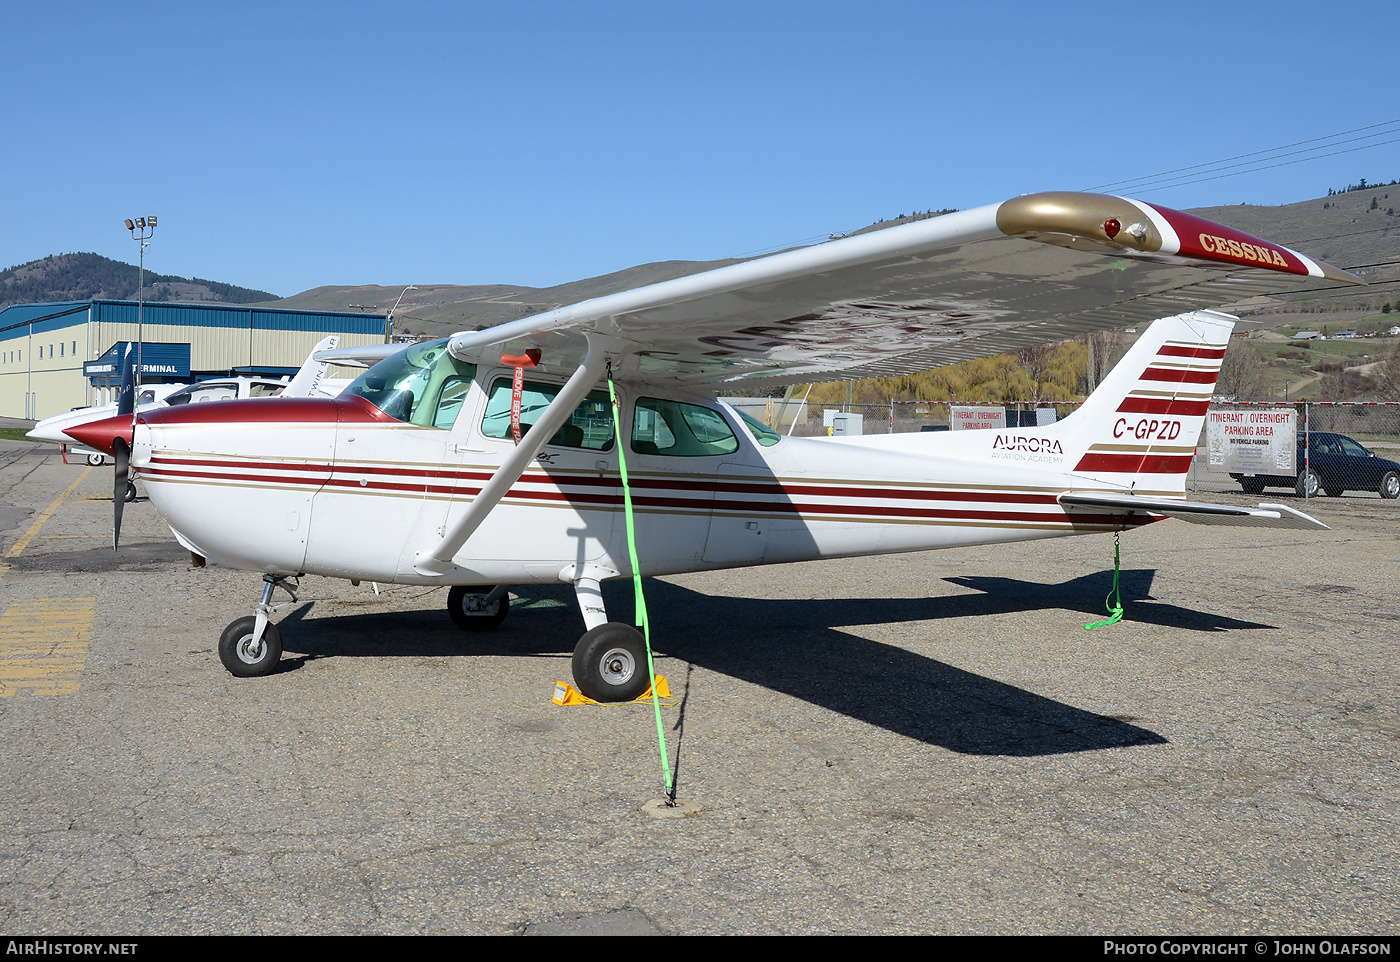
[(1033, 270)]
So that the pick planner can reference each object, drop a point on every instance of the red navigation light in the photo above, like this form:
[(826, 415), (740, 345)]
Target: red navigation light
[(1111, 227)]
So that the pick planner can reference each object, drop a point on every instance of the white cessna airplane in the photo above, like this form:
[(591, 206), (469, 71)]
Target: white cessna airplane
[(446, 464)]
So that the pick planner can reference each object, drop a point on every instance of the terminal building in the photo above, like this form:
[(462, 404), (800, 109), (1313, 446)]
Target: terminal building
[(59, 356)]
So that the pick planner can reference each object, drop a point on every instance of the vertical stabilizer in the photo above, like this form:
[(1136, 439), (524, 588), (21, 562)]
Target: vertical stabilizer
[(1139, 429)]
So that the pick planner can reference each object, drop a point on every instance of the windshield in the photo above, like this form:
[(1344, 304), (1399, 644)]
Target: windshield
[(422, 384)]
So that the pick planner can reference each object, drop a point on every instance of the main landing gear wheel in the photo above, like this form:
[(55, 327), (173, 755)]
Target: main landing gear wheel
[(96, 460), (239, 656), (130, 492), (610, 663), (469, 611)]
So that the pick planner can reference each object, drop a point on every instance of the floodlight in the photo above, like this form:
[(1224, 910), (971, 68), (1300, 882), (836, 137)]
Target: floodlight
[(141, 222), (151, 220), (129, 224)]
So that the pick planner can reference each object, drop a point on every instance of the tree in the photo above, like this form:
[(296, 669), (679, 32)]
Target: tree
[(1243, 373), (1387, 375), (1106, 348)]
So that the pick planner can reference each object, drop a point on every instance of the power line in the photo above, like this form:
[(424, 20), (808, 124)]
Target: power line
[(1250, 170), (1254, 153)]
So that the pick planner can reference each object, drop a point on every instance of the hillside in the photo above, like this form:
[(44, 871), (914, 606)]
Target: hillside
[(77, 277)]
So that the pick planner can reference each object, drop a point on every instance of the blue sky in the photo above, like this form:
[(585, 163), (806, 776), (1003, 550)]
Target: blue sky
[(285, 146)]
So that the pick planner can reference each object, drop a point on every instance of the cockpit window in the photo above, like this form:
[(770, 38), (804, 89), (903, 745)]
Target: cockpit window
[(409, 386)]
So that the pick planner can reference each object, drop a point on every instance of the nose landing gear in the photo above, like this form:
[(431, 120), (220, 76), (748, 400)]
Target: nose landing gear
[(251, 646)]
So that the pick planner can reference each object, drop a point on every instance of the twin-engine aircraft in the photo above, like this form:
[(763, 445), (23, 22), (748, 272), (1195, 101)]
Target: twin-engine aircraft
[(489, 459)]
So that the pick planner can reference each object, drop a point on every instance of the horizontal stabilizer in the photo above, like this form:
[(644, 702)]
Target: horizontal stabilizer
[(1197, 512)]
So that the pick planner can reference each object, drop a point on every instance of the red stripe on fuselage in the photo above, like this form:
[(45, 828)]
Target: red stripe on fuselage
[(348, 475), (777, 501)]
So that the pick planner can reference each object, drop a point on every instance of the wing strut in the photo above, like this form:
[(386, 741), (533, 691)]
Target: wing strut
[(438, 559)]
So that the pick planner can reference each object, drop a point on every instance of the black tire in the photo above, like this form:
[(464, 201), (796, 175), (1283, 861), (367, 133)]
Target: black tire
[(1390, 486), (1252, 485), (233, 651), (130, 492), (461, 607), (96, 459), (1308, 484), (610, 663)]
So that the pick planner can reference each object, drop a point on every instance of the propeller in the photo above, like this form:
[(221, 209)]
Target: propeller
[(122, 488), (122, 454)]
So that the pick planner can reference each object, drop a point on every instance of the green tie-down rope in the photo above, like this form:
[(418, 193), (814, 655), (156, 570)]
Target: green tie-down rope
[(643, 621), (1114, 601)]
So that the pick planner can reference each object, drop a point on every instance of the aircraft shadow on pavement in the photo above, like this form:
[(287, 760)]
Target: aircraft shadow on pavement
[(795, 646)]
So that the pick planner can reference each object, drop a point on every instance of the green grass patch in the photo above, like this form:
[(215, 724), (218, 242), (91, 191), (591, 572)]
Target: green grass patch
[(17, 434)]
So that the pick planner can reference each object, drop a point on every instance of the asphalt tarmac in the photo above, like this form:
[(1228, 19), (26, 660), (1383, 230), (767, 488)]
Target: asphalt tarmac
[(926, 743)]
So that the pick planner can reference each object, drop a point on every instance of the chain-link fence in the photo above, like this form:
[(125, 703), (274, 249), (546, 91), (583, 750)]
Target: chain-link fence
[(891, 417), (1352, 448), (1339, 449)]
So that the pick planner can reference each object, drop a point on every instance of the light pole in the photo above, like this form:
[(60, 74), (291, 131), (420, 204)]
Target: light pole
[(389, 321), (141, 230)]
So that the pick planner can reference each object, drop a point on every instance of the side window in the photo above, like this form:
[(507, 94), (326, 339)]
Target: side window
[(264, 390), (589, 427), (1350, 447), (680, 430)]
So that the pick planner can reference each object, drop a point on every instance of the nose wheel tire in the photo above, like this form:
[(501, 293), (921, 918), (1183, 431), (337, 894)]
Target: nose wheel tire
[(610, 663), (239, 656), (130, 495), (464, 605)]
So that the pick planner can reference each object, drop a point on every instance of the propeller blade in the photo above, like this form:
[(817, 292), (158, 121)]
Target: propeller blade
[(126, 397), (122, 454)]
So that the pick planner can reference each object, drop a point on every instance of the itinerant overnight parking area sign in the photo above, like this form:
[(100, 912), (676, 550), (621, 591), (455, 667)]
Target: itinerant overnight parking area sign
[(961, 418), (1253, 441)]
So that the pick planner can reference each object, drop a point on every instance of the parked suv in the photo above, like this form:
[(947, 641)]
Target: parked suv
[(1335, 464)]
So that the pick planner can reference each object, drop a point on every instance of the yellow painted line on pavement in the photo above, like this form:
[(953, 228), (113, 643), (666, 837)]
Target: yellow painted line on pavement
[(44, 645), (28, 536)]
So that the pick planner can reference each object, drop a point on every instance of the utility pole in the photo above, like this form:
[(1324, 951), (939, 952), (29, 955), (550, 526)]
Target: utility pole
[(141, 230)]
